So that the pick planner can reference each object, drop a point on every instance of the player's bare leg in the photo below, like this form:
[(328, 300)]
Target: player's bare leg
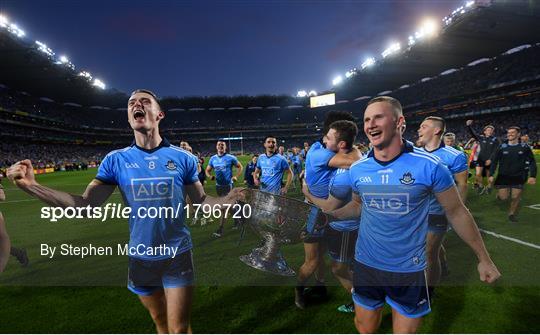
[(343, 274), (404, 325), (311, 260), (478, 178), (179, 301), (157, 307), (514, 204), (503, 194), (367, 321)]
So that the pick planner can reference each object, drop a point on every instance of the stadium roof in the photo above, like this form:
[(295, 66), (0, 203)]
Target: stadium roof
[(485, 31)]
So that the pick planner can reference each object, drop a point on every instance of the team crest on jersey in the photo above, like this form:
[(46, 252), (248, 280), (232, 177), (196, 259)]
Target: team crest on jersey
[(407, 179), (170, 165)]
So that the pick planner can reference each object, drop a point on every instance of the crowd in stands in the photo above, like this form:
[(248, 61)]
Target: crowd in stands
[(504, 91)]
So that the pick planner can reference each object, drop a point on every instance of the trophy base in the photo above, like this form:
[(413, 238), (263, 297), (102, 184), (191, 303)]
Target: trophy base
[(277, 266)]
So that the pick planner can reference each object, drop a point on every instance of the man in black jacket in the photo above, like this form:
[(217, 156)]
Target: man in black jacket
[(488, 144), (516, 162)]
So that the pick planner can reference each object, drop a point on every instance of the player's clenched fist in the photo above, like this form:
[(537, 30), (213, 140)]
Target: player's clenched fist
[(21, 173), (488, 272)]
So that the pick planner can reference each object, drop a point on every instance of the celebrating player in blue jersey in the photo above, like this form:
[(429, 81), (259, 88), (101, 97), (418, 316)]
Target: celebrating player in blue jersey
[(270, 169), (222, 163), (149, 173), (430, 136), (392, 188), (320, 166), (340, 235)]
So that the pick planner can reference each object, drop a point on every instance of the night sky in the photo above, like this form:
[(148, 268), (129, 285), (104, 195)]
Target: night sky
[(186, 48)]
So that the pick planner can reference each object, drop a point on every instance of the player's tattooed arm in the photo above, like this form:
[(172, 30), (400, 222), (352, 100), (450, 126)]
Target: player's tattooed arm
[(22, 175), (463, 223), (352, 210), (344, 161)]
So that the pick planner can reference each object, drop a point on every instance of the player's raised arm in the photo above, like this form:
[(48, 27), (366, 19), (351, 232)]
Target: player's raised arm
[(464, 225), (22, 175)]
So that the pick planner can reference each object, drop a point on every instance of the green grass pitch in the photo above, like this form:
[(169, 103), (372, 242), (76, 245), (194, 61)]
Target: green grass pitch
[(70, 295)]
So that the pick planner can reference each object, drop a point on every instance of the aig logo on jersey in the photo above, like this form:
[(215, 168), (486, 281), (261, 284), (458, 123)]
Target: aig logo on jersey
[(387, 203), (158, 188)]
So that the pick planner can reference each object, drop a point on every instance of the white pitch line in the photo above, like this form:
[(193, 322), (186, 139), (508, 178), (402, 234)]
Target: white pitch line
[(515, 240)]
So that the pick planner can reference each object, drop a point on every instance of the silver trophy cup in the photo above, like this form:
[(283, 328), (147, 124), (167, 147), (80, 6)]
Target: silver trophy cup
[(279, 220)]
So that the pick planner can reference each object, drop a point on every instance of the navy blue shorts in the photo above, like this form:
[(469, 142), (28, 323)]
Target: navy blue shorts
[(437, 223), (145, 277), (341, 244), (407, 293)]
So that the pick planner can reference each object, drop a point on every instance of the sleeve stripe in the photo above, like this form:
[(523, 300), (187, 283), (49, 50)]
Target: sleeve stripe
[(430, 158)]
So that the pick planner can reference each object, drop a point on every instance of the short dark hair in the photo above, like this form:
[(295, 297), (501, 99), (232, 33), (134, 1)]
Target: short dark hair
[(143, 90), (269, 136), (515, 127), (398, 109), (439, 120), (334, 116), (346, 131)]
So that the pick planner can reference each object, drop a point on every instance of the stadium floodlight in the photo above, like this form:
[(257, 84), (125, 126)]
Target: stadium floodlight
[(350, 73), (15, 30), (368, 62), (99, 83), (301, 94), (393, 48), (312, 93), (44, 48), (86, 75), (3, 21), (469, 3), (427, 29), (63, 59), (337, 80)]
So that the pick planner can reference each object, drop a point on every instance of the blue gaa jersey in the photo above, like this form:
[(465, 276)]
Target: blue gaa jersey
[(318, 173), (340, 188), (395, 204), (272, 169), (150, 180), (455, 161), (297, 164), (222, 166)]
